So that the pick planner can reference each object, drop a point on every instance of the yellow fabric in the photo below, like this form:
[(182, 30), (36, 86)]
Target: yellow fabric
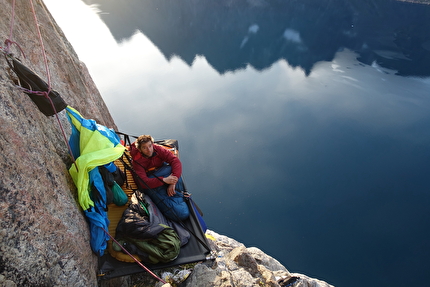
[(95, 150)]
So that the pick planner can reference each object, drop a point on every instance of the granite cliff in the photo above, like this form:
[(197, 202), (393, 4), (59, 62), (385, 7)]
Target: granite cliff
[(44, 235)]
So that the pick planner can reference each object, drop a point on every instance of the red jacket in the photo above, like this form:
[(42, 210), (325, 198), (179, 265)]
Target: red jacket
[(143, 164)]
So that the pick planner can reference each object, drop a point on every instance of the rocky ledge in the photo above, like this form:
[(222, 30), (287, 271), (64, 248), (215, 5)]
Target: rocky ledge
[(237, 265), (232, 264)]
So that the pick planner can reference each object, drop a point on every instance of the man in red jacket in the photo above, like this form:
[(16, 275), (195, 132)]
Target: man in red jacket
[(160, 172)]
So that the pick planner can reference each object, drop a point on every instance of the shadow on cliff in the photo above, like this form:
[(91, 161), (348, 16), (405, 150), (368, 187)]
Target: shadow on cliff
[(234, 34)]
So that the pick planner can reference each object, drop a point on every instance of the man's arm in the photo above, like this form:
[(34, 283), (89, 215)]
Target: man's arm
[(176, 166), (141, 173), (174, 161)]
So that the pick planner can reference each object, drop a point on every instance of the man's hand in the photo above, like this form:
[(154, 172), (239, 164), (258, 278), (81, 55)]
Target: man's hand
[(171, 179), (171, 190)]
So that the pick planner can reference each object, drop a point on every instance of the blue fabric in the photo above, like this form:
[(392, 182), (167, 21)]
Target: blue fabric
[(97, 180), (97, 221), (97, 215), (199, 217), (173, 207), (92, 145), (111, 167), (92, 125), (74, 140), (96, 145)]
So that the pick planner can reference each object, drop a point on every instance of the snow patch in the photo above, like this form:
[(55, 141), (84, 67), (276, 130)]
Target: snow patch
[(292, 35)]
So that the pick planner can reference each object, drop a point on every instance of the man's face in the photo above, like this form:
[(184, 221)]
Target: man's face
[(147, 149)]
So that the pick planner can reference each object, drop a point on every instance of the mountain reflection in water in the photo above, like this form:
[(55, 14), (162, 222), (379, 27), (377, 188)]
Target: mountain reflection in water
[(233, 34), (303, 125)]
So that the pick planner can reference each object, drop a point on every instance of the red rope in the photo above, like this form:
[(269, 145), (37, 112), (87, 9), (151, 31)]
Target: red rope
[(12, 19), (8, 42), (48, 74), (6, 50), (135, 259), (43, 47)]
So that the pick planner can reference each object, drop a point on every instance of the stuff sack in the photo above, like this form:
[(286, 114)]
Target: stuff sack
[(162, 249), (120, 198), (143, 230), (114, 192), (32, 82)]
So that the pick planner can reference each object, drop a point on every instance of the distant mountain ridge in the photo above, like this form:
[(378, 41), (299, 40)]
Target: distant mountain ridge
[(234, 34)]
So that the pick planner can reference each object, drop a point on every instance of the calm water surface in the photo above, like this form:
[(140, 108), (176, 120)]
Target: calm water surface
[(303, 125)]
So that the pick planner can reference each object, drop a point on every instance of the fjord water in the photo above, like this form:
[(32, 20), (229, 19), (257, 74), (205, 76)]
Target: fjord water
[(303, 125)]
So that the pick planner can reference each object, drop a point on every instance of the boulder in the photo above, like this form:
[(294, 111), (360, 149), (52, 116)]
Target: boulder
[(235, 265)]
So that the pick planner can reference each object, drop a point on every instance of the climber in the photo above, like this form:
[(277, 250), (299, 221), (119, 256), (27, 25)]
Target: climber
[(159, 173)]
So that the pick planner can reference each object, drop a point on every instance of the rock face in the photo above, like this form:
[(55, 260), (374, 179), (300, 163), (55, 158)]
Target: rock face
[(44, 237), (236, 265)]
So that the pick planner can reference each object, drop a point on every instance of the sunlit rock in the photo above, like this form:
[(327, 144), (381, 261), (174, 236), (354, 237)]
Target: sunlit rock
[(236, 265)]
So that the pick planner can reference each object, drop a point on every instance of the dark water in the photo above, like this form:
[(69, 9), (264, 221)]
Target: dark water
[(303, 125)]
